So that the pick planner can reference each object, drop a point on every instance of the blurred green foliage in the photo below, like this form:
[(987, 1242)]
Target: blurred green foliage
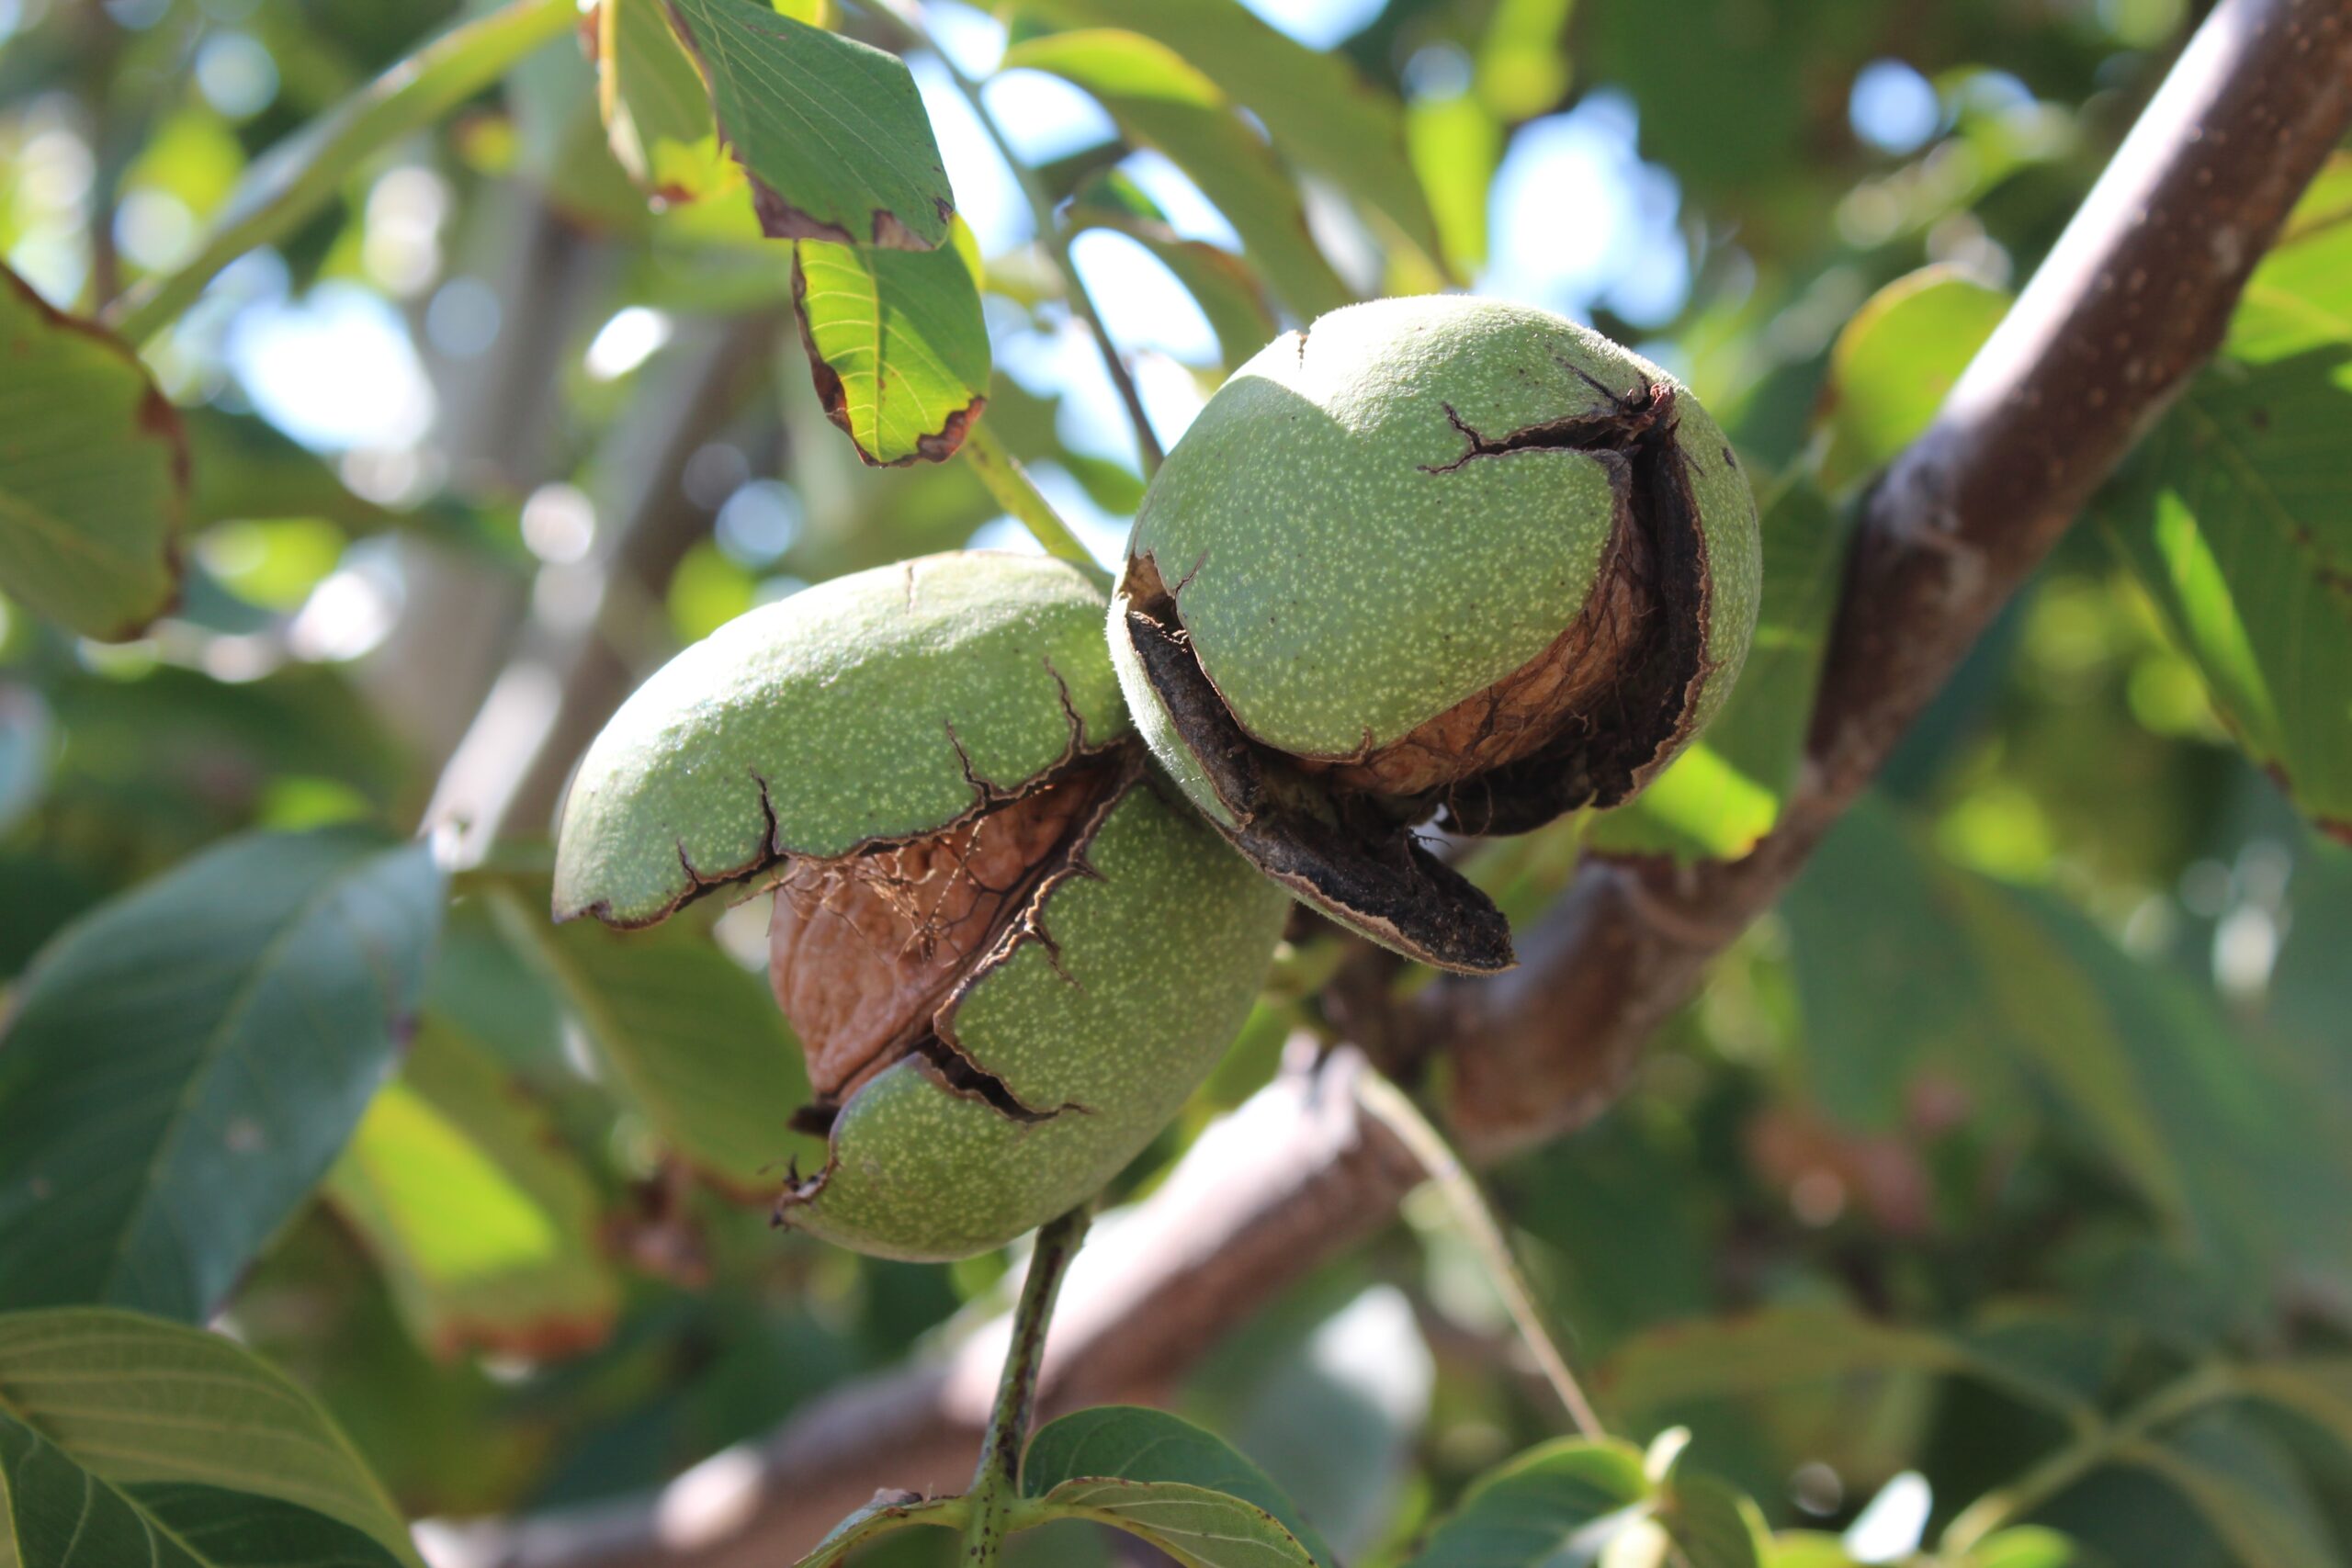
[(2016, 1132)]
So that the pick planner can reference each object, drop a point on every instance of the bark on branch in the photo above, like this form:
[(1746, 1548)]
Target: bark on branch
[(2128, 306)]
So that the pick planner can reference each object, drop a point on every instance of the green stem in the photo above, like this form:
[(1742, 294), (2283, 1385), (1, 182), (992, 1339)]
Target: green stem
[(2005, 1506), (996, 1485), (1051, 233), (1009, 483), (1394, 1110), (298, 176)]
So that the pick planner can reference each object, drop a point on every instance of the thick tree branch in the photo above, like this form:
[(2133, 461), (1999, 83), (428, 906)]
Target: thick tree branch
[(2125, 309)]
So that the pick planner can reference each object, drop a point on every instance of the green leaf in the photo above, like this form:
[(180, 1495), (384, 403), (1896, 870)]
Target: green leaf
[(1807, 1548), (2027, 1546), (93, 473), (2235, 519), (1901, 956), (63, 1517), (1559, 1506), (484, 1226), (694, 1039), (832, 131), (1892, 363), (1196, 1526), (1161, 100), (888, 1512), (656, 107), (187, 1060), (1319, 111), (1713, 1525), (1522, 60), (2246, 1488), (1456, 143), (1129, 1443), (1724, 793), (1789, 1346), (897, 345), (137, 1400)]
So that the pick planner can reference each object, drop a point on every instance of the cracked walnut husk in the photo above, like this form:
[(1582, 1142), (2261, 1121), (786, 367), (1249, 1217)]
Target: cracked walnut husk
[(1431, 560), (1008, 956)]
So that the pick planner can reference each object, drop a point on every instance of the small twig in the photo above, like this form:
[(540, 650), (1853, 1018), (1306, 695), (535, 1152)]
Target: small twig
[(1050, 234), (1394, 1110), (1009, 483), (996, 1485)]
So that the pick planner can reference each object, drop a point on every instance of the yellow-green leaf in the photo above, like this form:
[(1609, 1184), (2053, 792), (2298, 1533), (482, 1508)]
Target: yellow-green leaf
[(896, 345), (2237, 522), (93, 473), (1893, 363), (484, 1226)]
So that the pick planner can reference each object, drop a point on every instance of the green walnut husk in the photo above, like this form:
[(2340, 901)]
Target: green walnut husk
[(1432, 558), (1009, 958)]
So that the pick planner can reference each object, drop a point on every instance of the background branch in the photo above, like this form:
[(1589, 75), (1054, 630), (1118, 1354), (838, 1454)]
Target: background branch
[(2129, 304)]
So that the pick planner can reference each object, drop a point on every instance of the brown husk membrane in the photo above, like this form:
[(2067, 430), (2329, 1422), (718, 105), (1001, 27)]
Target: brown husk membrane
[(864, 950)]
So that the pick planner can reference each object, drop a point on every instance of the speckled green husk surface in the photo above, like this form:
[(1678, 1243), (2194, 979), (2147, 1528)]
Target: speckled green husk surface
[(849, 703), (850, 715), (1339, 589), (1161, 955)]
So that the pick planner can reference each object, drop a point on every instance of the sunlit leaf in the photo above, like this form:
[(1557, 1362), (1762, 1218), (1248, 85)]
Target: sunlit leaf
[(1555, 1506), (1129, 1443), (897, 345), (2238, 518), (1198, 1526), (1161, 100), (188, 1059), (2027, 1546), (93, 473), (1456, 143), (484, 1226), (137, 1400), (657, 108), (1894, 361), (1320, 112), (832, 131), (1522, 60), (1807, 1548)]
